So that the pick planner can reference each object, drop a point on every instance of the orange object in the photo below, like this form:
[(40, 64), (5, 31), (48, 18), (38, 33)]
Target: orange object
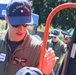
[(47, 26)]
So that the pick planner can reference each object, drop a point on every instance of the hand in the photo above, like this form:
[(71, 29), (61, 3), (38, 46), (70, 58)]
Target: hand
[(49, 61)]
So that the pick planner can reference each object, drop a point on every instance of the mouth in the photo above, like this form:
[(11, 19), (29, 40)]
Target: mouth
[(19, 34)]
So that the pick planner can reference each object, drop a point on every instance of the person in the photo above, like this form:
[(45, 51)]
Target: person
[(29, 71), (68, 36), (67, 40), (17, 47), (58, 46)]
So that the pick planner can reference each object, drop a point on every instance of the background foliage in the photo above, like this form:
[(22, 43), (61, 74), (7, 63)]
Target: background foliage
[(64, 19)]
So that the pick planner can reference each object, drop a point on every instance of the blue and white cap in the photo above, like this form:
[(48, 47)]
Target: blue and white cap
[(19, 12), (29, 71), (54, 33), (69, 32)]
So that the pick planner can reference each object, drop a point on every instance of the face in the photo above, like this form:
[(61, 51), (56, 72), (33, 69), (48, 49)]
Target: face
[(17, 33), (55, 39), (67, 40)]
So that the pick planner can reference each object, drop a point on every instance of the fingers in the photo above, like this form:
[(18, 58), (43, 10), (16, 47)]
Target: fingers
[(50, 53), (49, 61), (50, 56)]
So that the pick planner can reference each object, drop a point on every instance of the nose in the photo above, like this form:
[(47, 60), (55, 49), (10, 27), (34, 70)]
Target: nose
[(20, 28)]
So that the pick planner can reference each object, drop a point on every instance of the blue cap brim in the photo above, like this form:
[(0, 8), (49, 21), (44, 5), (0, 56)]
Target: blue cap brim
[(16, 20), (65, 33)]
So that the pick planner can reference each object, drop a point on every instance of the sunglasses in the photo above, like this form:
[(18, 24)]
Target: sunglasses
[(53, 37), (24, 25), (65, 36)]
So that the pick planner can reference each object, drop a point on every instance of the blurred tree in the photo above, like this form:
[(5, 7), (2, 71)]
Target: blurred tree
[(64, 19)]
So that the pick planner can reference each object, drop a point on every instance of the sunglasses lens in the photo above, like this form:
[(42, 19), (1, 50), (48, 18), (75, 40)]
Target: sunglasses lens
[(19, 25), (53, 37), (64, 36), (15, 26)]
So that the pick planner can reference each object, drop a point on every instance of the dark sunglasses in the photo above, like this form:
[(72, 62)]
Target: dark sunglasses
[(24, 25), (53, 37), (64, 36)]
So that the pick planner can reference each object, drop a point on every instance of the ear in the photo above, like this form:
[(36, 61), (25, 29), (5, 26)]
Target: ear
[(6, 19)]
